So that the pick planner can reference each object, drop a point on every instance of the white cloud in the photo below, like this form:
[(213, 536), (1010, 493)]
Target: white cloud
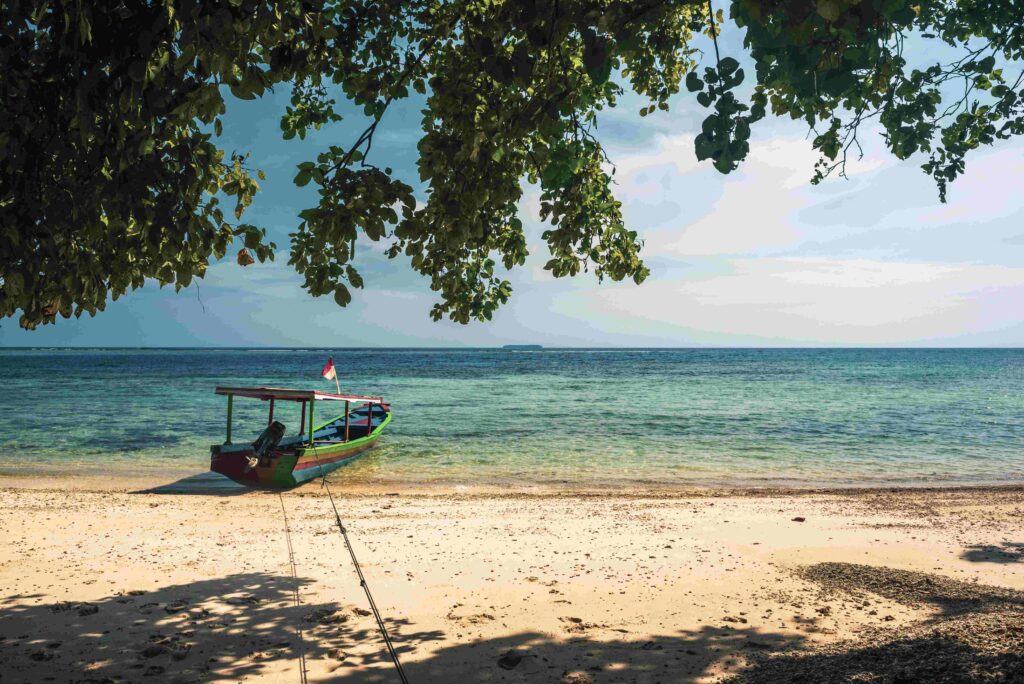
[(820, 300), (856, 273), (986, 177), (674, 152), (752, 210)]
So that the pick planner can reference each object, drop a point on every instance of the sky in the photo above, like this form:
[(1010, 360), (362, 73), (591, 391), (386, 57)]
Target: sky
[(759, 257)]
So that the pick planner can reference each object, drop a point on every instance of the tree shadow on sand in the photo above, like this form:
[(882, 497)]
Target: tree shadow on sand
[(917, 589), (247, 625), (975, 635), (960, 651), (1009, 552), (227, 628), (537, 657)]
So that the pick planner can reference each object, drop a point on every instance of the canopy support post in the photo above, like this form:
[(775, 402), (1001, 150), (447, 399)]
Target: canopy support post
[(231, 403), (312, 404), (270, 419), (302, 419), (346, 421)]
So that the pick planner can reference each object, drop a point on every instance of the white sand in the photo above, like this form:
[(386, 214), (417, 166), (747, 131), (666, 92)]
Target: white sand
[(603, 588)]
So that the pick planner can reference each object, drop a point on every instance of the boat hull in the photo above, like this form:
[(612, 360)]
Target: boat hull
[(292, 466)]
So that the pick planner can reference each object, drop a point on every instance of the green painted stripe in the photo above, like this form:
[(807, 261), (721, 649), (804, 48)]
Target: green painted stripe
[(340, 416), (346, 445)]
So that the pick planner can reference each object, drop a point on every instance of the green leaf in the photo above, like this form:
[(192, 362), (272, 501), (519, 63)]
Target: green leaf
[(830, 10), (342, 296), (597, 57), (84, 28)]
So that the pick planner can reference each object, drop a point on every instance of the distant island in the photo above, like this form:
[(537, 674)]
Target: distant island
[(523, 347)]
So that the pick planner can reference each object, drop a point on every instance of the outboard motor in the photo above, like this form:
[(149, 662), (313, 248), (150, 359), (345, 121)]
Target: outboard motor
[(266, 442)]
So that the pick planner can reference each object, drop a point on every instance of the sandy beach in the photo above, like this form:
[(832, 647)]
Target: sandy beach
[(104, 581)]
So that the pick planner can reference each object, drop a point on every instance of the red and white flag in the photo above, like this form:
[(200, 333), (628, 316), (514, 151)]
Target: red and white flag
[(328, 372)]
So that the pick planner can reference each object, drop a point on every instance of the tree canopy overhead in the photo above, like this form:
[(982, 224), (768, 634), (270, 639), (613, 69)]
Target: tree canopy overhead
[(111, 173)]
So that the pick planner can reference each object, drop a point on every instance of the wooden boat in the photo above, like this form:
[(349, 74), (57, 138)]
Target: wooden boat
[(277, 460)]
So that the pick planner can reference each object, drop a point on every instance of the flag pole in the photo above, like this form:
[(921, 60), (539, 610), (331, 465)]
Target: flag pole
[(331, 371)]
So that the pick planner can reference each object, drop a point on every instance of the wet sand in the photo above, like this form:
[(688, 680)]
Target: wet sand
[(106, 581)]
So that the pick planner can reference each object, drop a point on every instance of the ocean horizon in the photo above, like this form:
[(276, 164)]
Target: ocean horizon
[(499, 347), (588, 417)]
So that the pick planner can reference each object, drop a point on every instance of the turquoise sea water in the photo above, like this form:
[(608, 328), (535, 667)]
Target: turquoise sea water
[(587, 417)]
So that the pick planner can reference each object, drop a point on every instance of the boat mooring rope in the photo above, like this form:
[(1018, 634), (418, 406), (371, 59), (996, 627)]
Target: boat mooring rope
[(295, 591), (366, 588)]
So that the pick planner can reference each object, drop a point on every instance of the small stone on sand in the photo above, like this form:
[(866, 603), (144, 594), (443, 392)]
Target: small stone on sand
[(509, 660)]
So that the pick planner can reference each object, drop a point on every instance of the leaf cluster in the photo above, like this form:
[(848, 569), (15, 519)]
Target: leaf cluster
[(836, 64), (111, 175), (512, 92)]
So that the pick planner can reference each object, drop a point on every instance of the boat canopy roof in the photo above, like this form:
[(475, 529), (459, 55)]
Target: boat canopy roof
[(283, 394)]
